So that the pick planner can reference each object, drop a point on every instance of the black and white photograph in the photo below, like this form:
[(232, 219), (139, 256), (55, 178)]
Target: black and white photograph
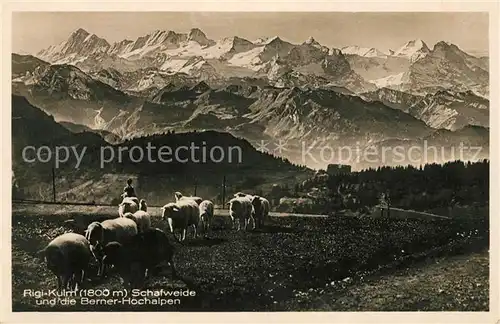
[(212, 161)]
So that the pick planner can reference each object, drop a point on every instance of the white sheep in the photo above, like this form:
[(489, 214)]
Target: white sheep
[(261, 208), (68, 257), (181, 215), (206, 214), (126, 197), (141, 219), (245, 195), (179, 196), (241, 208), (117, 229), (128, 205), (242, 194)]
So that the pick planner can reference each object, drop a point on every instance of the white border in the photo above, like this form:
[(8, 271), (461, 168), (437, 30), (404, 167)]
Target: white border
[(289, 317)]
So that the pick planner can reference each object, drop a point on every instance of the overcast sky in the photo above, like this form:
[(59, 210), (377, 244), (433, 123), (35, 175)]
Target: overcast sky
[(36, 30)]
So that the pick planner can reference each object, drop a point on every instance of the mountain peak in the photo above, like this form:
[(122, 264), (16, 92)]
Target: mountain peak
[(274, 39), (241, 43), (443, 49), (239, 39), (196, 35), (444, 45), (413, 50), (310, 40), (200, 87), (335, 52), (79, 36), (80, 31), (196, 31), (79, 43), (416, 44)]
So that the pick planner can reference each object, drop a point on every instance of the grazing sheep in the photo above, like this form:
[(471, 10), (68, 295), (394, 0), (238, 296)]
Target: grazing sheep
[(68, 257), (181, 215), (241, 208), (129, 194), (179, 196), (108, 254), (261, 208), (241, 194), (142, 254), (117, 229), (141, 219), (244, 195), (128, 205), (142, 205), (206, 214), (134, 198)]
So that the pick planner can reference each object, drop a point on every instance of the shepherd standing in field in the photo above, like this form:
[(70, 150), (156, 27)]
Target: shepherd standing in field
[(129, 191)]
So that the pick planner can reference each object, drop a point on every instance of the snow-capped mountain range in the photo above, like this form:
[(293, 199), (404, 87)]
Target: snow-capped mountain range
[(150, 62), (355, 68), (195, 55), (81, 45), (263, 89), (412, 50), (420, 70), (364, 51)]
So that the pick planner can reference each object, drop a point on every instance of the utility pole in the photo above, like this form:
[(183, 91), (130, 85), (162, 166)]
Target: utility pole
[(53, 178), (53, 184), (224, 192)]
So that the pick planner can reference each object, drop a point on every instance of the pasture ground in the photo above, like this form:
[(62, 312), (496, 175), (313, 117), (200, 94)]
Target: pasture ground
[(296, 264)]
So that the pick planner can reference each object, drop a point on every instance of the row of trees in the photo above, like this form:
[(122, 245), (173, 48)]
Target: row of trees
[(418, 188)]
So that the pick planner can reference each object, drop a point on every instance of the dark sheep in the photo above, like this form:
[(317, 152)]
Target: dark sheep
[(140, 255), (68, 257)]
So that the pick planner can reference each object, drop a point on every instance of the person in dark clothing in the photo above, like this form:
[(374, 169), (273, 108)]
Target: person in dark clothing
[(129, 191)]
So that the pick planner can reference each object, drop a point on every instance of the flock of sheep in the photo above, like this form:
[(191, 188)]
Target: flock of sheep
[(134, 248)]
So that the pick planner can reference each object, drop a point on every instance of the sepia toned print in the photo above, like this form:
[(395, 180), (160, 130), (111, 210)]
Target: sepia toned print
[(233, 161)]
